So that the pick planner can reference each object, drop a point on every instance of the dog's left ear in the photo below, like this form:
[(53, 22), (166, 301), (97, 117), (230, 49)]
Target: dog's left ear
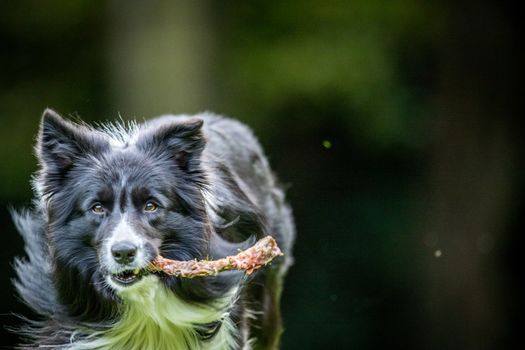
[(60, 145), (184, 141)]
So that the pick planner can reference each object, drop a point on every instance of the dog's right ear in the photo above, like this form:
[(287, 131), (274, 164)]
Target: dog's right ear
[(61, 144)]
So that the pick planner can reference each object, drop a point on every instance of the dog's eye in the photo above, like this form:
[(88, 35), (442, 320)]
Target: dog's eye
[(97, 208), (151, 207)]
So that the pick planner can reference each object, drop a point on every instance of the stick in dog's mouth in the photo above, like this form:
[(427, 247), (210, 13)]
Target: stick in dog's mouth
[(249, 260)]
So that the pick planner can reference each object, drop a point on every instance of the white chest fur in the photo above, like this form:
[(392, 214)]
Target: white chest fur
[(153, 318)]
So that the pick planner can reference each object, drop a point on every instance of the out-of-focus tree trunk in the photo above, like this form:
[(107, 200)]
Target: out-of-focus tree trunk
[(160, 54), (470, 181)]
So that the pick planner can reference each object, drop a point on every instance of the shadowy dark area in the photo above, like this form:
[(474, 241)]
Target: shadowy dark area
[(396, 128)]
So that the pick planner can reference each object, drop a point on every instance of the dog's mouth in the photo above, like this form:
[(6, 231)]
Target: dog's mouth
[(128, 277)]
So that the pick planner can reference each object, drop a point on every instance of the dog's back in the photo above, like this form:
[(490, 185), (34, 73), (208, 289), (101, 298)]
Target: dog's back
[(234, 149)]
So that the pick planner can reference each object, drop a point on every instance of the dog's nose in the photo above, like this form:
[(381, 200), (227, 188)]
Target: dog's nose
[(124, 252)]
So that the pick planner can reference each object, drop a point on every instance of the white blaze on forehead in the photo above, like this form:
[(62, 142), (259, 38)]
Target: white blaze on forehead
[(125, 232)]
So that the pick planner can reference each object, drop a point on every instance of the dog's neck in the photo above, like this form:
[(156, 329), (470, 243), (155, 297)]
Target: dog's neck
[(154, 318)]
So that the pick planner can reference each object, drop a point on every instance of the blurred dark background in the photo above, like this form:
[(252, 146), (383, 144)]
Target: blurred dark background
[(394, 125)]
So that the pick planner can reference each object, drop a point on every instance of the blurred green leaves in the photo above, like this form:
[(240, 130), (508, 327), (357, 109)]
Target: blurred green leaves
[(275, 52), (51, 57)]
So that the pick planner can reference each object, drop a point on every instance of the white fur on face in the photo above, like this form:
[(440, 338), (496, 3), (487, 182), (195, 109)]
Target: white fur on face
[(124, 232)]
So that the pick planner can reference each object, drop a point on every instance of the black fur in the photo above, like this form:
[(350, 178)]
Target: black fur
[(216, 194)]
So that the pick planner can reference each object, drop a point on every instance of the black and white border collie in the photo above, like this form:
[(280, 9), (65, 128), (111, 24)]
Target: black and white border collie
[(110, 199)]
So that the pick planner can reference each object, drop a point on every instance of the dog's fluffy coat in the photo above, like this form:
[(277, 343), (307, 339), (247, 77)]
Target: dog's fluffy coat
[(183, 187)]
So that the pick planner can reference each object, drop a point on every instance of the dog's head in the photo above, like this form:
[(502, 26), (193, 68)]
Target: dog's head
[(116, 198)]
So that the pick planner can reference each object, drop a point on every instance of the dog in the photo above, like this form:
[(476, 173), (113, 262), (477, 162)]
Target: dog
[(109, 199)]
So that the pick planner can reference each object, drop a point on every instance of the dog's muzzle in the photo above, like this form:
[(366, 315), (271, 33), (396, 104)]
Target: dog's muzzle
[(124, 252), (126, 262)]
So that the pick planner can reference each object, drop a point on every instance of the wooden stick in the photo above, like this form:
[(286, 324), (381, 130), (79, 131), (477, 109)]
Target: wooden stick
[(249, 260)]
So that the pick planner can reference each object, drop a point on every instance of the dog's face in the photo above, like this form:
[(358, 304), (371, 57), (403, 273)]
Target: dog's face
[(114, 203)]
